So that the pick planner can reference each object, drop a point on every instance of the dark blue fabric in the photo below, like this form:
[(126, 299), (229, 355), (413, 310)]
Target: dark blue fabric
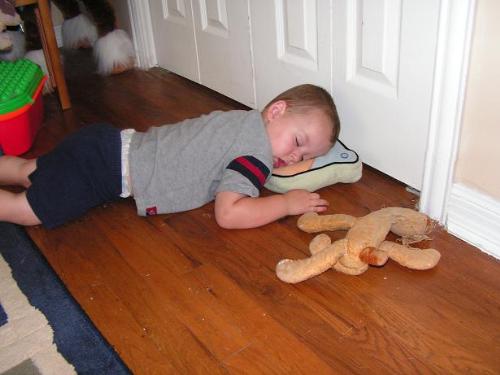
[(3, 316), (82, 172), (76, 337)]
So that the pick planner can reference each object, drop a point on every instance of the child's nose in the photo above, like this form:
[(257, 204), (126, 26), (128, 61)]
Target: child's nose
[(296, 156)]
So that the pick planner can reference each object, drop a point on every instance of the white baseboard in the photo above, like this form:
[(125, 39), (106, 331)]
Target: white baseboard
[(142, 34), (475, 218)]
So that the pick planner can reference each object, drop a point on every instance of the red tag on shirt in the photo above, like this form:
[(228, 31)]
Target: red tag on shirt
[(150, 211)]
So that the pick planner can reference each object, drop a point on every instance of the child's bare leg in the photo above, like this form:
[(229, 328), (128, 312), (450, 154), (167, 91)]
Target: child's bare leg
[(14, 208), (15, 170)]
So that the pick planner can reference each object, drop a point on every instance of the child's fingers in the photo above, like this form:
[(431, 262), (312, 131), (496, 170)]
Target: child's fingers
[(315, 197), (319, 208), (318, 204)]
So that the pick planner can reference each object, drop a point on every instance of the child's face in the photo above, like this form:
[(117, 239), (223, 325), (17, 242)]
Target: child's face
[(296, 136)]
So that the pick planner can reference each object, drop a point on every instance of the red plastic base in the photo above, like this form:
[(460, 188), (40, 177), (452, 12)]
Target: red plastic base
[(18, 132)]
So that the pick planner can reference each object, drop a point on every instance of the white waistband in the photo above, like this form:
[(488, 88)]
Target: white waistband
[(126, 138)]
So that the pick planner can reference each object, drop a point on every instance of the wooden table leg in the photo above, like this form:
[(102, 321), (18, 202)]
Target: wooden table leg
[(51, 81), (53, 52)]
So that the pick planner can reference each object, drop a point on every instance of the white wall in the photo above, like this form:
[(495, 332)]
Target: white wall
[(474, 205), (478, 164)]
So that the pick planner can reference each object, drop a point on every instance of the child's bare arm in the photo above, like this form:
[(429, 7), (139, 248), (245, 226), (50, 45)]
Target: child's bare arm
[(233, 210)]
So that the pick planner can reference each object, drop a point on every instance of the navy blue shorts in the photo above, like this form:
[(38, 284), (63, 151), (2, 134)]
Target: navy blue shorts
[(82, 172)]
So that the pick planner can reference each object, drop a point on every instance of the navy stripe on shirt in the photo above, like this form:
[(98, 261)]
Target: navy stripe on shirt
[(252, 168)]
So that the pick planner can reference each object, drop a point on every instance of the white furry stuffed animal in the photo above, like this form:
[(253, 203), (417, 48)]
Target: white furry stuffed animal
[(8, 17)]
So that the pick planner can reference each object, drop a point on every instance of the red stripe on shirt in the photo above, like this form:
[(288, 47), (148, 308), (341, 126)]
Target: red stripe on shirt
[(252, 168)]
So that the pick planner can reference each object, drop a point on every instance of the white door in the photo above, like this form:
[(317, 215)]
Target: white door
[(383, 67), (291, 44), (207, 41), (174, 37), (224, 50)]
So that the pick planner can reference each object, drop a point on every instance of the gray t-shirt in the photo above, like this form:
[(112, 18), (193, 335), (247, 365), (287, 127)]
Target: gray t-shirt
[(182, 166)]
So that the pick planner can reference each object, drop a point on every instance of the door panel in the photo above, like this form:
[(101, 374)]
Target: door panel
[(382, 80), (373, 54), (296, 35), (213, 17), (224, 47), (291, 45), (174, 37)]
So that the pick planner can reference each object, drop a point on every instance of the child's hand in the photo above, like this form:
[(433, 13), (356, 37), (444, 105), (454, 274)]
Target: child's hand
[(302, 201)]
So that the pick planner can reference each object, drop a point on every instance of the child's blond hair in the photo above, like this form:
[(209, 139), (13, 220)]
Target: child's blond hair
[(302, 98)]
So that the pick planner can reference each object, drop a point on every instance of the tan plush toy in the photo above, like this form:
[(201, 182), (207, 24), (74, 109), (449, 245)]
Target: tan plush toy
[(363, 245)]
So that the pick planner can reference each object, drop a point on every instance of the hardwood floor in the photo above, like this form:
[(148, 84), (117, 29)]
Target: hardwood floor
[(177, 294)]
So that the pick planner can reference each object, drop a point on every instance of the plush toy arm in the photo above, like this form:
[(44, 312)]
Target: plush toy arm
[(311, 222), (411, 257), (407, 222), (294, 271)]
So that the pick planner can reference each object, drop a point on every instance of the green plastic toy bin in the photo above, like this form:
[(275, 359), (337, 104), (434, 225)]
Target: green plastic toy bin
[(21, 105)]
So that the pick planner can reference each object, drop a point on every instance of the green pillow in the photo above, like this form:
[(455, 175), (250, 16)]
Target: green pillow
[(340, 164)]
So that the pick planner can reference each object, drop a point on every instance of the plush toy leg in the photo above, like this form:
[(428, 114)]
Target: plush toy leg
[(353, 271), (322, 241), (417, 259), (295, 271), (311, 222), (319, 243), (350, 264)]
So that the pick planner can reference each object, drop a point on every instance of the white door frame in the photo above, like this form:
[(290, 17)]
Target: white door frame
[(142, 33), (456, 23)]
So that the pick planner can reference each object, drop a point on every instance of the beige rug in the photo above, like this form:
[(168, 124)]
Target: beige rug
[(26, 340)]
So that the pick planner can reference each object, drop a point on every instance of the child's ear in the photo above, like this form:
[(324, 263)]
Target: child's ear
[(277, 109)]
